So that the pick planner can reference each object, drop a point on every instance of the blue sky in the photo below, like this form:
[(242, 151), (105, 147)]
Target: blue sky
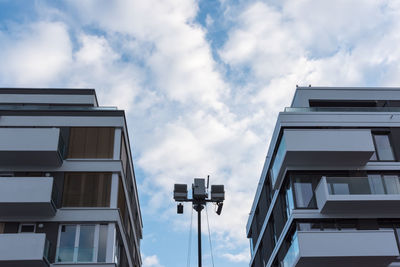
[(202, 82)]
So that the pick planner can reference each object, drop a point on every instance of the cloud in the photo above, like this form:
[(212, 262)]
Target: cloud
[(176, 51), (34, 54), (151, 261), (240, 257)]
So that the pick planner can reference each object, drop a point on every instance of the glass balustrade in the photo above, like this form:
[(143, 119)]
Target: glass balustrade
[(292, 254), (371, 185)]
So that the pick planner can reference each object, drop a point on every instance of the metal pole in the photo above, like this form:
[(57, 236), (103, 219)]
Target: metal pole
[(199, 207)]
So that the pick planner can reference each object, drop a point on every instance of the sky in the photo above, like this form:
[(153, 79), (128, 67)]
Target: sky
[(202, 82)]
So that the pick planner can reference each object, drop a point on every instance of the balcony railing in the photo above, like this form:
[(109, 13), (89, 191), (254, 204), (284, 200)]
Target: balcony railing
[(375, 185), (361, 195), (27, 196), (372, 248)]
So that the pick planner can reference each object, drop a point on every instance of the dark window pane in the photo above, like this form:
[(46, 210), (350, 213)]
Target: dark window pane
[(376, 184), (86, 243), (304, 188), (93, 142), (124, 155), (27, 228), (87, 190), (383, 147), (392, 184), (101, 256)]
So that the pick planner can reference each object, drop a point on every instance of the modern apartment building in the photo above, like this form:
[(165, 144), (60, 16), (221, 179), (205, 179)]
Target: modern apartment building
[(68, 193), (329, 192)]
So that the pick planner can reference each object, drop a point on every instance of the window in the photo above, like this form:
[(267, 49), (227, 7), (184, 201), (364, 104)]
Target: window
[(383, 148), (279, 156), (2, 228), (124, 155), (82, 243), (87, 190), (304, 187), (27, 228), (94, 142)]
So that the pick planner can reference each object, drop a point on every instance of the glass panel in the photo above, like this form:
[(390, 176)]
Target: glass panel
[(86, 243), (67, 243), (46, 251), (392, 184), (27, 228), (101, 256), (292, 254), (124, 155), (376, 184), (304, 193), (383, 147), (373, 184), (340, 189), (397, 230), (348, 185), (278, 160), (289, 200)]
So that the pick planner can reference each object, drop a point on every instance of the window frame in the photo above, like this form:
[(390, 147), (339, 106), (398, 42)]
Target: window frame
[(76, 243)]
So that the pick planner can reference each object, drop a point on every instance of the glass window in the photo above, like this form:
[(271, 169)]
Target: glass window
[(86, 190), (124, 155), (304, 188), (93, 142), (279, 156), (289, 200), (27, 228), (376, 184), (101, 257), (86, 243), (67, 243), (392, 184), (383, 147), (81, 243)]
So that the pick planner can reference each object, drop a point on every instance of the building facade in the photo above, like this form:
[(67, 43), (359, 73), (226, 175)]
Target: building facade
[(68, 193), (329, 193)]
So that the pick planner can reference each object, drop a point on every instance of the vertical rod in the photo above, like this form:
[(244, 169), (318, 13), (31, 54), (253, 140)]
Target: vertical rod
[(199, 232)]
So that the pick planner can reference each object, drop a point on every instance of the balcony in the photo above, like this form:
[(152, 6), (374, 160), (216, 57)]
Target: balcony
[(23, 250), (31, 147), (342, 248), (27, 196), (361, 195), (321, 148)]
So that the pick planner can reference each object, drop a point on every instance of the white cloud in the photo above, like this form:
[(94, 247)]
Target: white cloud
[(34, 55), (239, 257), (177, 53), (151, 261)]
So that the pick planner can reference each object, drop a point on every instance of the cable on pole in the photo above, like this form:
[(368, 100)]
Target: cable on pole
[(190, 240), (209, 238)]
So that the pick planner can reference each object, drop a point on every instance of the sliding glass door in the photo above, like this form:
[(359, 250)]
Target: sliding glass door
[(81, 243)]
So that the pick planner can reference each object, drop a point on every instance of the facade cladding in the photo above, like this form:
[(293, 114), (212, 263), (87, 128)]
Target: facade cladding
[(329, 193), (68, 193)]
